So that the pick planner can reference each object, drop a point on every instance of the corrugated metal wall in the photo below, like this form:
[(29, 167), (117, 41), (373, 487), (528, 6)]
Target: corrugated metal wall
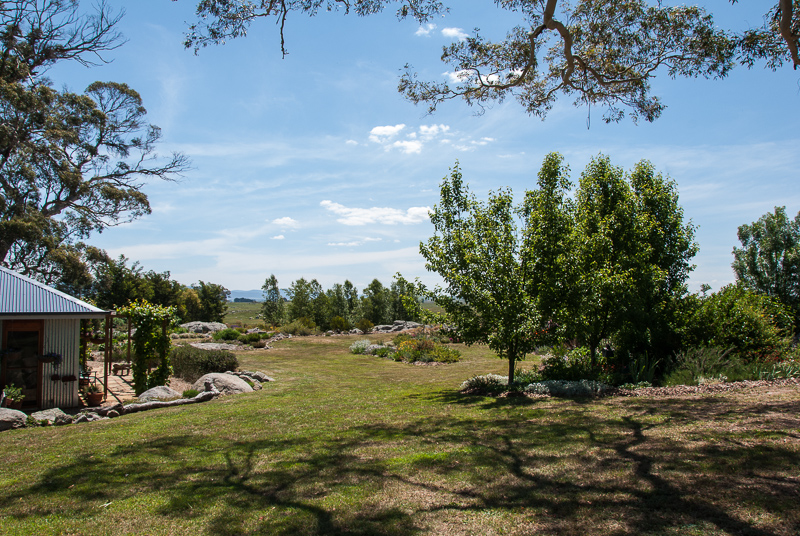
[(62, 337)]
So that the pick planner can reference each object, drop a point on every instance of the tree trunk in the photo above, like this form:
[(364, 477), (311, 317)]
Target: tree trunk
[(511, 362), (5, 247)]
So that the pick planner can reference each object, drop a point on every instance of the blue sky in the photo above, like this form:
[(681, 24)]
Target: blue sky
[(314, 166)]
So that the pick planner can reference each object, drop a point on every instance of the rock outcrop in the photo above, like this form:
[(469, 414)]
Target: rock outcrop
[(397, 325), (227, 384), (162, 392), (204, 327), (11, 418), (52, 416)]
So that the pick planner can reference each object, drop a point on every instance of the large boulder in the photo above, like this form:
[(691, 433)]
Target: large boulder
[(11, 418), (162, 392), (227, 384), (204, 327), (53, 416)]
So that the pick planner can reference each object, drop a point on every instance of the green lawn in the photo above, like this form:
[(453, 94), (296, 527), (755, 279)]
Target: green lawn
[(244, 314), (344, 444)]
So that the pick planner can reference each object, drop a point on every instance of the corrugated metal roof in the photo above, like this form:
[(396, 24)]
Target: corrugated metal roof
[(20, 295)]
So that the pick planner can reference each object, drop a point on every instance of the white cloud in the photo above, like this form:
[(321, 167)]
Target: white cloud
[(457, 77), (430, 132), (413, 143), (483, 141), (382, 134), (351, 142), (425, 30), (355, 243), (455, 33), (381, 215), (285, 222), (409, 146), (279, 237)]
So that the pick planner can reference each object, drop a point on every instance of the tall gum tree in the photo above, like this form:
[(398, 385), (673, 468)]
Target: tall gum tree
[(70, 163)]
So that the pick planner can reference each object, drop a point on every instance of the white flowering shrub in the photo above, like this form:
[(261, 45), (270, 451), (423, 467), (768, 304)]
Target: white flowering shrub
[(359, 347)]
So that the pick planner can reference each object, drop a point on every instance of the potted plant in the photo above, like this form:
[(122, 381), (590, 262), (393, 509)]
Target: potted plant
[(14, 396), (94, 396)]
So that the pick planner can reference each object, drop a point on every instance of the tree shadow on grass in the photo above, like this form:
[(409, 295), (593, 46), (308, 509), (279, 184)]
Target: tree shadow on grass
[(580, 472)]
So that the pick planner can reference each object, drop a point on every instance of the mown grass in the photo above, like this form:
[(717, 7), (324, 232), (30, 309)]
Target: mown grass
[(346, 444)]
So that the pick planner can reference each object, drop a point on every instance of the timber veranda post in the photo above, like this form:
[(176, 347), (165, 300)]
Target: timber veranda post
[(107, 353)]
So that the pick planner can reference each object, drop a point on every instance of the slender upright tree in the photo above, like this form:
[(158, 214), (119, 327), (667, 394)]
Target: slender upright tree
[(273, 309), (478, 251)]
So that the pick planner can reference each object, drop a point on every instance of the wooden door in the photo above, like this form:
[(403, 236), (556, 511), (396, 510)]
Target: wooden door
[(22, 345)]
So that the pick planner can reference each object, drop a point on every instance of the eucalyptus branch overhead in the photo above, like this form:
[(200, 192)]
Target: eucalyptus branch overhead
[(597, 52)]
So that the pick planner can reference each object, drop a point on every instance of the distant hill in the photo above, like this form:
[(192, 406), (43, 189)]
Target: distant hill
[(256, 295)]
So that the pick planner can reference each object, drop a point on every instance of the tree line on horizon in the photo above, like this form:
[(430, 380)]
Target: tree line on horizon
[(339, 308)]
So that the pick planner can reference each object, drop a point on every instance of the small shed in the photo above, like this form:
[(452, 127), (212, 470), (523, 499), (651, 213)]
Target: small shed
[(42, 339)]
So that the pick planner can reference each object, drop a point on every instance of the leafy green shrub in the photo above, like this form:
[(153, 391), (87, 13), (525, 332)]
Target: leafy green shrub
[(249, 338), (568, 365), (442, 354), (756, 327), (778, 371), (679, 377), (643, 369), (485, 384), (190, 393), (339, 324), (525, 377), (307, 322), (297, 328), (702, 362), (384, 352), (190, 363), (401, 338), (365, 325), (567, 388), (359, 347), (229, 334)]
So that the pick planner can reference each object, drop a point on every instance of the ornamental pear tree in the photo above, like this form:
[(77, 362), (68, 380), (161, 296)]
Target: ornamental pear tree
[(478, 251), (630, 258), (610, 263), (596, 53)]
